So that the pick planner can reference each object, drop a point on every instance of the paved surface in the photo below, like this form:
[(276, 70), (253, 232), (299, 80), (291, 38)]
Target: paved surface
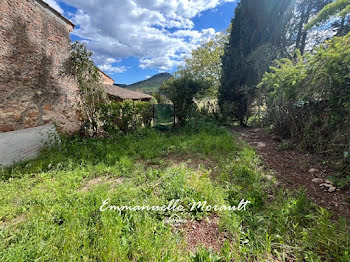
[(24, 144)]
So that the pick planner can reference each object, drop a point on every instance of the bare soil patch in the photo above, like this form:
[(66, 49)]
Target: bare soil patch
[(14, 222), (191, 160), (101, 180), (295, 169), (204, 233)]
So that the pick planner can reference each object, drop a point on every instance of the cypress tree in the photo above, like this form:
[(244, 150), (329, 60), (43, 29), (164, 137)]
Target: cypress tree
[(258, 33)]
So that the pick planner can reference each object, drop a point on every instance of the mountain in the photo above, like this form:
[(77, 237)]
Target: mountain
[(150, 85)]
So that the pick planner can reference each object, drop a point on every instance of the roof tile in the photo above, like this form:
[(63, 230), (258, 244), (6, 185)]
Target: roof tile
[(124, 93)]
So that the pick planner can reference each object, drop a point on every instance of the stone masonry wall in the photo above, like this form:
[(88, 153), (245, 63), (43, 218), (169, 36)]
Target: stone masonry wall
[(34, 46), (105, 79)]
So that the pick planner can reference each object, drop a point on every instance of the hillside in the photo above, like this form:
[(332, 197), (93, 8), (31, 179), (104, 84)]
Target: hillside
[(150, 85)]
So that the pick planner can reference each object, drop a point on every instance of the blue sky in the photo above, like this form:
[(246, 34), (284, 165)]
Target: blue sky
[(135, 39)]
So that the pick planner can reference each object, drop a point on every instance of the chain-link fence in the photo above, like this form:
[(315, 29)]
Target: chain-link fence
[(163, 115)]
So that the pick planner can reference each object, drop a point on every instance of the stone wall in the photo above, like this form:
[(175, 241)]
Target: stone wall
[(34, 47), (105, 79)]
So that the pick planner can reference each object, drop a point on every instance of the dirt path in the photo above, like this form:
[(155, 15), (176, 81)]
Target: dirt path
[(296, 169)]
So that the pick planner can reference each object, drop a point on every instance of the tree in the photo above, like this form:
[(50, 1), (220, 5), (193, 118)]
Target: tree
[(257, 36), (181, 91), (308, 99), (303, 10), (338, 8), (92, 94), (205, 63)]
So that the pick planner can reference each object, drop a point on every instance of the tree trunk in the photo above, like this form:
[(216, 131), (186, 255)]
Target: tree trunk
[(300, 27), (304, 34)]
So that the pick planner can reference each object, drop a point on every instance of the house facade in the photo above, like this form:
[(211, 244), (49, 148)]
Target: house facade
[(106, 79), (35, 46)]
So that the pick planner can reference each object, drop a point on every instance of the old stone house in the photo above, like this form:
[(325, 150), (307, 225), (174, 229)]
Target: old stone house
[(35, 96), (118, 94), (106, 79), (35, 44)]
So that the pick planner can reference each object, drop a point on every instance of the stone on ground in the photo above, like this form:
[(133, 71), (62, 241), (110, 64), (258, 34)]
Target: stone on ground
[(260, 145), (313, 171), (332, 189), (317, 180)]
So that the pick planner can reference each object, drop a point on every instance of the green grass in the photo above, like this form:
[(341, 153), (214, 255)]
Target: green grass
[(49, 211)]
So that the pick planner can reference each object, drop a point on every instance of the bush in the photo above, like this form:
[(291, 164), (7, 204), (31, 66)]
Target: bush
[(308, 99), (91, 92), (181, 91), (126, 116)]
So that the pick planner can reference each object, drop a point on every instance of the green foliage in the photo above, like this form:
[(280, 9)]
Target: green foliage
[(208, 108), (50, 206), (255, 40), (181, 91), (308, 98), (160, 99), (91, 91), (302, 12), (126, 116), (205, 63), (205, 255), (339, 7), (164, 116)]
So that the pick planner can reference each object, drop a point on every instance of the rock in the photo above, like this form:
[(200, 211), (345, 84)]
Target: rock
[(325, 185), (313, 171), (328, 182), (332, 189), (260, 145), (269, 177), (317, 180)]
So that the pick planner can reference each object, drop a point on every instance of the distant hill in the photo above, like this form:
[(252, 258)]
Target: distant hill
[(150, 85)]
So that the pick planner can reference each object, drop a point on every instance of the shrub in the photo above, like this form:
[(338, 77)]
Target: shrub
[(181, 91), (308, 99), (81, 66), (126, 116)]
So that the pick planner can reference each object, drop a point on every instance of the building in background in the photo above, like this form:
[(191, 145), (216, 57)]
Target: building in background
[(118, 94)]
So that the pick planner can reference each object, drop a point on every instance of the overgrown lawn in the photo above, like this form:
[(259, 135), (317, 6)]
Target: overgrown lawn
[(49, 207)]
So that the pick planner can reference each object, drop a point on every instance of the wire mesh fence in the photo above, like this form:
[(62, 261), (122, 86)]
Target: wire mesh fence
[(164, 115)]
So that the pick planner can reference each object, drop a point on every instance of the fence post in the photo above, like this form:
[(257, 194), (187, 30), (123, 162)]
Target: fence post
[(174, 117), (134, 116), (154, 118)]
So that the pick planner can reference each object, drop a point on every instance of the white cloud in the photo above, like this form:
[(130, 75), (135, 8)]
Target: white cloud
[(158, 32), (163, 63), (54, 5), (148, 76), (112, 69), (107, 66)]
